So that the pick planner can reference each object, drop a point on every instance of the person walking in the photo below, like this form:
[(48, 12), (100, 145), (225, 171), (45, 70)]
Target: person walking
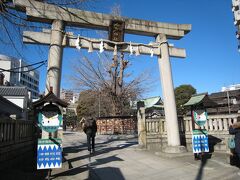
[(235, 130), (90, 129)]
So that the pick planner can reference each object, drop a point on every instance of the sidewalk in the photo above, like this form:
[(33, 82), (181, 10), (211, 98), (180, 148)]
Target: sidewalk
[(120, 159)]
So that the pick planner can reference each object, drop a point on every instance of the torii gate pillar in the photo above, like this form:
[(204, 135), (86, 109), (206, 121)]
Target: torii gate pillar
[(169, 97), (55, 58), (54, 69)]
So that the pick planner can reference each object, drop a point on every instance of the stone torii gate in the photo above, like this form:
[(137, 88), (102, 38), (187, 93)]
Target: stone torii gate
[(57, 38)]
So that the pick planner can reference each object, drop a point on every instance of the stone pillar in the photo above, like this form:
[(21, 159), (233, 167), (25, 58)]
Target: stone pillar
[(215, 124), (220, 124), (142, 135), (234, 120), (187, 126), (210, 124), (173, 136), (225, 125), (54, 69)]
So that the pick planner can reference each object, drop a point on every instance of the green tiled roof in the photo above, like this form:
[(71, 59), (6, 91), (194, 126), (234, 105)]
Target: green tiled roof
[(195, 99), (149, 102), (152, 102), (200, 100)]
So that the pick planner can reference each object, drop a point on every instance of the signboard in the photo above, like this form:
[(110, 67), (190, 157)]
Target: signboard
[(116, 30), (49, 153), (200, 141), (200, 117), (50, 118)]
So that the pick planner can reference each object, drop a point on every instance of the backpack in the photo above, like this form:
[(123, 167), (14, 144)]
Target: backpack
[(90, 125), (231, 143)]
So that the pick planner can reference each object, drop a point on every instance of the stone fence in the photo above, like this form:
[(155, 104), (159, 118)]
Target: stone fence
[(17, 141), (216, 125)]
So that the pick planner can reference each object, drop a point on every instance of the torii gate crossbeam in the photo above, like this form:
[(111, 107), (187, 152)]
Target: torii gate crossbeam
[(43, 12)]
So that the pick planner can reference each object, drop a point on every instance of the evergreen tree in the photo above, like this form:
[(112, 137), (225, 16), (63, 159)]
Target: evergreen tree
[(182, 94)]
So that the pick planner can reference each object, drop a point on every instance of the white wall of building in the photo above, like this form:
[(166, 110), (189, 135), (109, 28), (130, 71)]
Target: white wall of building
[(75, 97), (5, 65), (19, 101), (231, 87), (7, 62), (29, 79)]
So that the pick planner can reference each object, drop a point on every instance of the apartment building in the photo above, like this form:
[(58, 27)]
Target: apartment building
[(17, 72)]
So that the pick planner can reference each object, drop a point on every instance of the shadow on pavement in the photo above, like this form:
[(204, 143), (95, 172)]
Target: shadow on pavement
[(83, 146), (101, 148), (105, 173), (98, 152), (75, 149), (20, 175), (234, 159), (94, 172), (204, 158), (26, 170), (68, 133), (106, 160), (71, 172)]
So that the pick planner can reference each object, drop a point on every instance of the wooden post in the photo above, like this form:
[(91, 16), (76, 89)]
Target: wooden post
[(16, 138)]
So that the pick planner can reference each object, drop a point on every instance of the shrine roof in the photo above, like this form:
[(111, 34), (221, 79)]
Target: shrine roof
[(52, 98), (200, 100)]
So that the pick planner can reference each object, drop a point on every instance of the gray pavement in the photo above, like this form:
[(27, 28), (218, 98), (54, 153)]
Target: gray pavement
[(120, 158)]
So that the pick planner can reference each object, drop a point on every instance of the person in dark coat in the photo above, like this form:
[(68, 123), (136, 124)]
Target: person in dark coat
[(90, 129), (235, 129)]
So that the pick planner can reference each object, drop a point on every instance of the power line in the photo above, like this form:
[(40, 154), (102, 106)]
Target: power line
[(12, 69)]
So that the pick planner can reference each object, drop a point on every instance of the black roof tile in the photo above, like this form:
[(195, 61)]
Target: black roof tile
[(13, 91)]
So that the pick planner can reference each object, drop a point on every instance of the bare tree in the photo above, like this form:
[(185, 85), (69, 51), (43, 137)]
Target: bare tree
[(110, 78), (92, 103), (13, 21)]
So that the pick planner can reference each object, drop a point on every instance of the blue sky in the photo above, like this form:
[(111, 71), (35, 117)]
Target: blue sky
[(212, 58)]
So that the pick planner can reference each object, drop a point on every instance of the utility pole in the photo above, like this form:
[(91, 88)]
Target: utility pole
[(99, 104), (228, 99)]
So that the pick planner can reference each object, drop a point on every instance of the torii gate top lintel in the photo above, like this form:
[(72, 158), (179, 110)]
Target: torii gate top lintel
[(74, 17)]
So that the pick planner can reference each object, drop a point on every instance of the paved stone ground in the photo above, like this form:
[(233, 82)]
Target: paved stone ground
[(121, 159)]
